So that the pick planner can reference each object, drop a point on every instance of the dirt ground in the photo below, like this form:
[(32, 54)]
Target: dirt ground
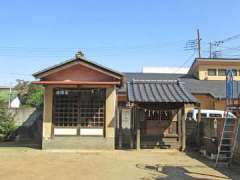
[(30, 164)]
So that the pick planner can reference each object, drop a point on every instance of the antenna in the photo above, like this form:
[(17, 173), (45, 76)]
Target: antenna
[(193, 45)]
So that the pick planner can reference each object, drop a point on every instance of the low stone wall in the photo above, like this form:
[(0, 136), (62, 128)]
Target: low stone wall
[(29, 122), (21, 115)]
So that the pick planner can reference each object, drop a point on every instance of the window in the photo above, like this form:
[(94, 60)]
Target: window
[(212, 72), (221, 72), (61, 92), (215, 115), (65, 109), (79, 107), (189, 115), (234, 72)]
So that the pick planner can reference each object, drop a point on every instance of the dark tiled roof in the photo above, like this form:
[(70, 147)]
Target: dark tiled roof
[(153, 76), (215, 88), (158, 91), (149, 76)]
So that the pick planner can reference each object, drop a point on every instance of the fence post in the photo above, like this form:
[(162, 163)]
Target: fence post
[(198, 127)]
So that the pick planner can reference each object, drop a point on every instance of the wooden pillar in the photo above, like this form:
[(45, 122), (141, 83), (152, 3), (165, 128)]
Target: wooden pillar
[(131, 130), (198, 127), (179, 120), (110, 110), (138, 138), (186, 108), (120, 127), (184, 134), (47, 129)]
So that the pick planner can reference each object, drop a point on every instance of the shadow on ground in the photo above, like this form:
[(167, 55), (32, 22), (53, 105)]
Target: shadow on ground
[(233, 172), (159, 172), (14, 144)]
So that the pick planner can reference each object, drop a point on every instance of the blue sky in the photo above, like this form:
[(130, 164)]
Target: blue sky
[(124, 35)]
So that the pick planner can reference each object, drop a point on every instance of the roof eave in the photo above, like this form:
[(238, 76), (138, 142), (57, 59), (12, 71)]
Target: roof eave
[(76, 83), (40, 74)]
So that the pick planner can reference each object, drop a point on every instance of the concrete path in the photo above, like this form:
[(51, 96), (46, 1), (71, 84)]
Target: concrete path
[(29, 164)]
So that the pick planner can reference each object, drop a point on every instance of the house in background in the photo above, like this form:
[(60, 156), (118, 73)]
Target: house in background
[(209, 86), (15, 102), (214, 69), (9, 96), (4, 92)]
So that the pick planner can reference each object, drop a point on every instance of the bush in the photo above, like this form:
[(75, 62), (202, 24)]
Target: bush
[(7, 124)]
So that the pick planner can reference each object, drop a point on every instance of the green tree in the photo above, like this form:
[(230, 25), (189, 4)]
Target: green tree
[(7, 124), (34, 95), (29, 94)]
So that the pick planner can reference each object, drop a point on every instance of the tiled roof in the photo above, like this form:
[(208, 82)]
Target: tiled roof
[(215, 88), (158, 91), (148, 76)]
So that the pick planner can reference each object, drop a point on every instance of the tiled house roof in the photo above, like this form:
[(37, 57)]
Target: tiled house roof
[(215, 88), (163, 91)]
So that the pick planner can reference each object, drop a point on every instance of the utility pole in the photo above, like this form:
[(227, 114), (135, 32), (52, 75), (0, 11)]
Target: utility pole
[(194, 44), (198, 44), (210, 50)]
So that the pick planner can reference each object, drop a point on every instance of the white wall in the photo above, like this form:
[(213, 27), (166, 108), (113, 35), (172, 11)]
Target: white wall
[(175, 70)]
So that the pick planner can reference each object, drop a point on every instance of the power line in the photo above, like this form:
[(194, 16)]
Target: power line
[(82, 47), (39, 52), (218, 44), (186, 61)]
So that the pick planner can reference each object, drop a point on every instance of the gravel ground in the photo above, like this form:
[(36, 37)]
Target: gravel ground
[(30, 164)]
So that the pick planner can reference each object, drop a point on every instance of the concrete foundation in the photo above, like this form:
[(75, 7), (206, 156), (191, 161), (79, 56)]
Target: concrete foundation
[(74, 142)]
